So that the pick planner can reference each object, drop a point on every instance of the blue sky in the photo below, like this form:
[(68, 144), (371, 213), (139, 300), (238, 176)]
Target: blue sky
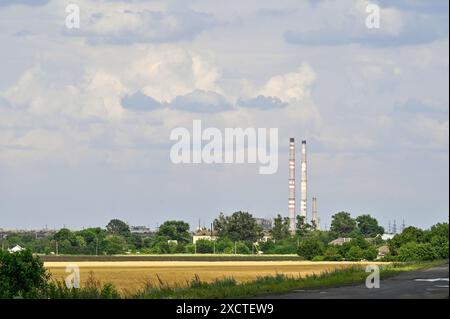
[(86, 114)]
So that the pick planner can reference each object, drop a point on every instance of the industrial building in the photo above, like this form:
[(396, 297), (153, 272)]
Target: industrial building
[(303, 189)]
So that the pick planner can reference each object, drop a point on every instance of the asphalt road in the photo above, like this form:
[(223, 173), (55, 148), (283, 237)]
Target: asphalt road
[(421, 284)]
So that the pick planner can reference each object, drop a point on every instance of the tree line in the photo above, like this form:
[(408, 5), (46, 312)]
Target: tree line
[(239, 233)]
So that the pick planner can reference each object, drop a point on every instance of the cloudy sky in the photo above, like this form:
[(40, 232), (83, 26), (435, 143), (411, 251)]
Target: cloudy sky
[(86, 114)]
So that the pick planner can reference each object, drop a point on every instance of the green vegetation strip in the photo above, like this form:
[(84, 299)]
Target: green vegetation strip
[(184, 257), (229, 288)]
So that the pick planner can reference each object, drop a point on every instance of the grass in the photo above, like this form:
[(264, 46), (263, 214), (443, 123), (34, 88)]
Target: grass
[(230, 288)]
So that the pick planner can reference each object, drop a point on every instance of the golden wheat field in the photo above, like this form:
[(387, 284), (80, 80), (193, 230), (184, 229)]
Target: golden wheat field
[(130, 276)]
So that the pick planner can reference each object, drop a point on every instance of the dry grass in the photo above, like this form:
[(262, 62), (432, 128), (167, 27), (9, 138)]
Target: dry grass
[(133, 275)]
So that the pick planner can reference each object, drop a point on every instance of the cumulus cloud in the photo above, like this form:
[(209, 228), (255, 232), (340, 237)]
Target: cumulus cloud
[(202, 102), (140, 102), (291, 86), (397, 27), (262, 102), (124, 24), (167, 72)]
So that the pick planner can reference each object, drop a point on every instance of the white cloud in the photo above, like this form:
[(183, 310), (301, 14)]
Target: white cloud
[(291, 86)]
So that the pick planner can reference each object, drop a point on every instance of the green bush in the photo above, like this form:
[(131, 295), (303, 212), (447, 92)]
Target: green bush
[(355, 254), (318, 258), (440, 245), (413, 251), (204, 246), (242, 248), (310, 247), (224, 245), (332, 254), (22, 275)]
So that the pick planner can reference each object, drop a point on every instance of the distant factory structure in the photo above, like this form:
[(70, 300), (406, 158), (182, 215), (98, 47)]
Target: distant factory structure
[(303, 189)]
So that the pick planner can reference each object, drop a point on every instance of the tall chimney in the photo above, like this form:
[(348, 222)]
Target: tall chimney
[(315, 215), (291, 200), (303, 197)]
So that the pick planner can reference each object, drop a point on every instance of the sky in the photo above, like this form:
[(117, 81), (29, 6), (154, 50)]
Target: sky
[(86, 113)]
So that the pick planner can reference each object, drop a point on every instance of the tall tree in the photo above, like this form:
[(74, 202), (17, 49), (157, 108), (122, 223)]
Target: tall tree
[(342, 224), (368, 226), (240, 226), (302, 227), (280, 229), (118, 227), (175, 230)]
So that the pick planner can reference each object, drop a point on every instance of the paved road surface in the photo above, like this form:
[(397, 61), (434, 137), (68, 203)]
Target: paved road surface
[(422, 284)]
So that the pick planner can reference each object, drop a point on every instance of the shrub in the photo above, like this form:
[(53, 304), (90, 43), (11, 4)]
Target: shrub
[(22, 275), (355, 254), (318, 258), (310, 247), (242, 248), (332, 254), (417, 252), (204, 246)]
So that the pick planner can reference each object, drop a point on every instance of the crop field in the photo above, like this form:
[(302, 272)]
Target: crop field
[(130, 276)]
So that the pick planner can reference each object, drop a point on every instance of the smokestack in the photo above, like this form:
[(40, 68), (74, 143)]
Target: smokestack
[(315, 215), (303, 197), (291, 200)]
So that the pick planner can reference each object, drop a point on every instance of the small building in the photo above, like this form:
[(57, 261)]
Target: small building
[(16, 249), (340, 241), (203, 237), (387, 236), (204, 234), (383, 251), (172, 242)]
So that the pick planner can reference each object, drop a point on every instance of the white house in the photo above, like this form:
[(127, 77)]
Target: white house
[(15, 249)]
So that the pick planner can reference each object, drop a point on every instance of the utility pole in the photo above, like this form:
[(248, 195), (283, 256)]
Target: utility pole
[(56, 243), (96, 246), (235, 248)]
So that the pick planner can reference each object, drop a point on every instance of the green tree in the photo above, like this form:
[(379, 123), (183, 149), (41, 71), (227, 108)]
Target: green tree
[(342, 224), (175, 230), (22, 275), (302, 227), (224, 245), (414, 251), (242, 248), (118, 227), (439, 230), (204, 246), (311, 247), (114, 245), (332, 254), (368, 226), (409, 234), (280, 229), (240, 226), (355, 254)]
